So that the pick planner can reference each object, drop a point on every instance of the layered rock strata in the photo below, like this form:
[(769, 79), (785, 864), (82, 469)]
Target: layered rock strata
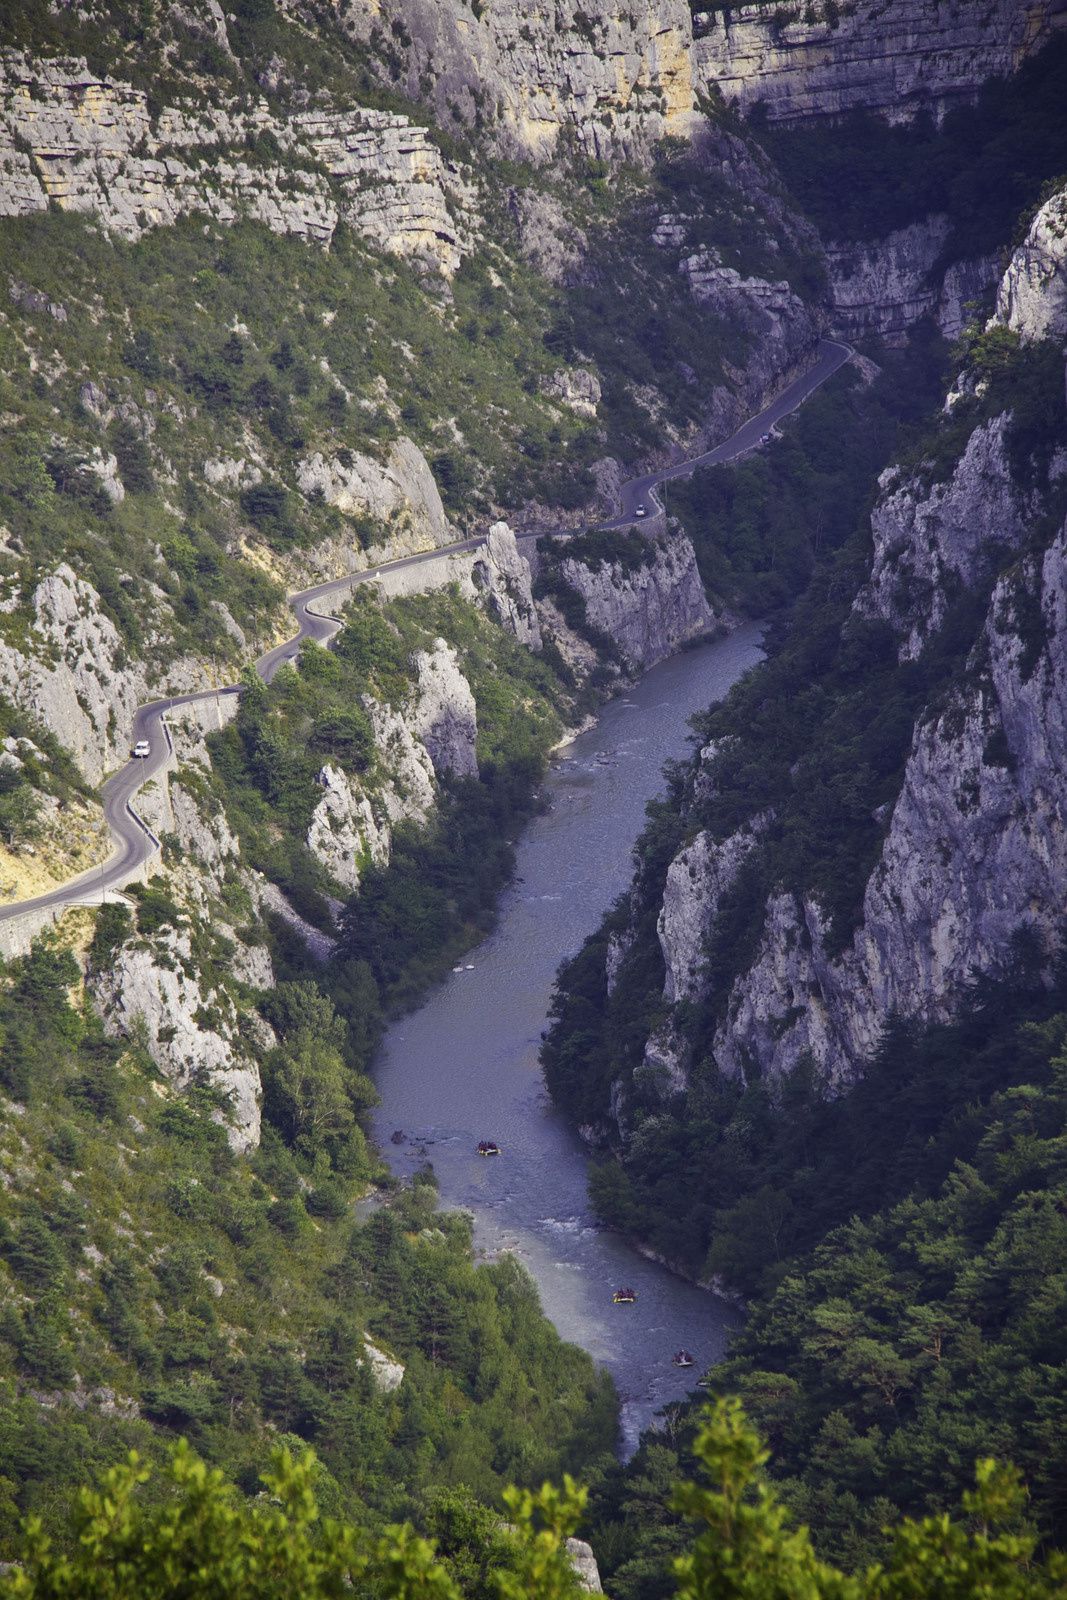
[(821, 58), (885, 286), (71, 139)]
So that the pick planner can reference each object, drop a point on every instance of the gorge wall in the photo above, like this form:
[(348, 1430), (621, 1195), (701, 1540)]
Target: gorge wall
[(973, 849), (81, 143), (822, 58), (614, 78)]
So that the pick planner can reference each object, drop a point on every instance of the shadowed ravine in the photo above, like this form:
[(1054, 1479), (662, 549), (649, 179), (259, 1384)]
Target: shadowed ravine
[(464, 1067)]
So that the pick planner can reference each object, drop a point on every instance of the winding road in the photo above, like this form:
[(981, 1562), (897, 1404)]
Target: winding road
[(135, 843)]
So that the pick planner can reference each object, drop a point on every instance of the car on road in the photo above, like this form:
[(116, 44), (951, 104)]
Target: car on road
[(141, 749), (642, 511)]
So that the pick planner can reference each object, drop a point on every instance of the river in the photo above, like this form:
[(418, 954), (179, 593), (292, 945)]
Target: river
[(465, 1067)]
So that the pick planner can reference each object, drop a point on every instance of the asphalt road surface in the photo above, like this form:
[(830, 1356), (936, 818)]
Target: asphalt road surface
[(134, 842)]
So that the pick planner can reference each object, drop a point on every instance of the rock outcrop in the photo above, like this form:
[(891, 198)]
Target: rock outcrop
[(585, 1566), (399, 495), (344, 833), (650, 610), (434, 735), (885, 286), (501, 575), (71, 139), (612, 78), (72, 672), (154, 993), (820, 58), (1032, 298), (931, 539), (698, 877), (578, 388), (444, 717), (782, 327), (386, 1372)]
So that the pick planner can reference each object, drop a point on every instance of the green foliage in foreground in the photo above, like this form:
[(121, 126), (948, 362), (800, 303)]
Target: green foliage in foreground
[(196, 1539), (153, 1283)]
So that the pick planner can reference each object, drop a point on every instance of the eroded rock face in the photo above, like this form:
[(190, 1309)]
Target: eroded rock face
[(887, 285), (585, 1566), (75, 676), (433, 736), (400, 493), (387, 1373), (158, 990), (501, 573), (1032, 297), (783, 326), (578, 388), (976, 850), (611, 77), (344, 833), (929, 541), (698, 877), (820, 60), (648, 611), (71, 139), (444, 716)]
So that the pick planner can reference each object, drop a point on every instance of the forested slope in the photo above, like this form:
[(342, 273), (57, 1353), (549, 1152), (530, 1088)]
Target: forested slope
[(820, 1040)]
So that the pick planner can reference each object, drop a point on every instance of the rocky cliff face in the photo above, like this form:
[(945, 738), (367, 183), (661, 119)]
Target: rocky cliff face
[(782, 328), (609, 77), (822, 59), (81, 143), (1032, 298), (648, 610), (976, 851), (399, 496), (885, 286), (433, 735), (975, 845), (70, 670), (931, 539), (155, 994), (182, 991), (615, 79)]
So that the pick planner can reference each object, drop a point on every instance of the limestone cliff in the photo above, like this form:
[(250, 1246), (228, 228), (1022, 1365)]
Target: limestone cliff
[(885, 286), (399, 497), (1032, 298), (615, 79), (79, 142), (611, 78), (648, 609), (821, 59), (155, 994), (973, 848), (433, 735), (70, 669), (930, 539)]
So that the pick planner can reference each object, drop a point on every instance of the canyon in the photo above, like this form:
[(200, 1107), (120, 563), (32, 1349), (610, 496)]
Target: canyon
[(426, 306)]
